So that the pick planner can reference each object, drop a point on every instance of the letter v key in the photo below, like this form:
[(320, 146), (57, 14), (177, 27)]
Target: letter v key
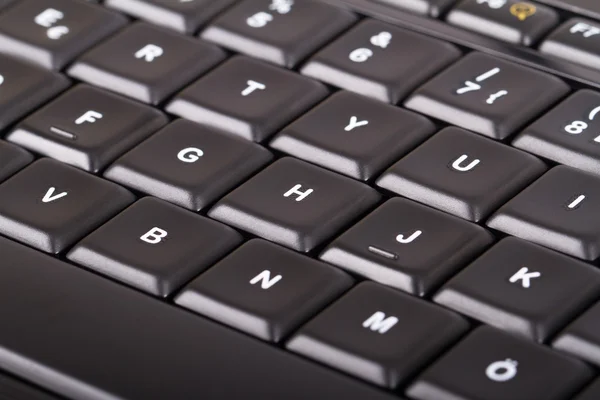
[(50, 196)]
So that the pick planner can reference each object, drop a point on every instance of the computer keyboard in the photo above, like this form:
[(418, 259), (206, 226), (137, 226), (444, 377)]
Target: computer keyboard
[(300, 199)]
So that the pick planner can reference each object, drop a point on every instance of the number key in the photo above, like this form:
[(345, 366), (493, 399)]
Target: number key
[(512, 21), (380, 61), (569, 134), (52, 33), (281, 31), (487, 95)]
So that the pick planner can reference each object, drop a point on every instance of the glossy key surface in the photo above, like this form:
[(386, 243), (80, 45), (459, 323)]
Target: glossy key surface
[(95, 322)]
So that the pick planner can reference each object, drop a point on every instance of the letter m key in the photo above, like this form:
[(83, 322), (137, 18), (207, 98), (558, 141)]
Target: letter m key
[(379, 323)]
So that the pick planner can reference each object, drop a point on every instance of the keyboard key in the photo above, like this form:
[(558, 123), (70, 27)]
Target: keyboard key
[(87, 127), (12, 159), (360, 334), (490, 364), (512, 21), (559, 211), (462, 173), (433, 8), (487, 95), (185, 16), (582, 338), (295, 204), (49, 205), (408, 246), (25, 87), (577, 40), (592, 392), (380, 61), (146, 62), (353, 135), (95, 322), (247, 97), (188, 164), (522, 288), (52, 34), (568, 134), (264, 290), (155, 246), (283, 32)]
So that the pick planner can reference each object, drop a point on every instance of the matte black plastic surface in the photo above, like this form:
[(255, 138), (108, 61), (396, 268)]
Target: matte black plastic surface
[(88, 338)]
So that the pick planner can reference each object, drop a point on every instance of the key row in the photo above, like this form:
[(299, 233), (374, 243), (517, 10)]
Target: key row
[(467, 175), (149, 246), (523, 23), (478, 92), (382, 329)]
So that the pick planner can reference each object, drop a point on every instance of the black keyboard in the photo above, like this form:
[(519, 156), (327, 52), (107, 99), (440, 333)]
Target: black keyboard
[(300, 199)]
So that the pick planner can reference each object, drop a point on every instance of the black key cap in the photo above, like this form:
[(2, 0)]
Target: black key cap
[(582, 338), (49, 205), (280, 31), (522, 288), (367, 333), (560, 211), (264, 290), (433, 8), (87, 127), (487, 95), (490, 364), (353, 135), (568, 134), (462, 173), (188, 164), (24, 87), (592, 392), (53, 33), (408, 246), (185, 16), (380, 61), (247, 97), (155, 246), (146, 62), (512, 21), (106, 341), (577, 40), (12, 159), (295, 204)]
